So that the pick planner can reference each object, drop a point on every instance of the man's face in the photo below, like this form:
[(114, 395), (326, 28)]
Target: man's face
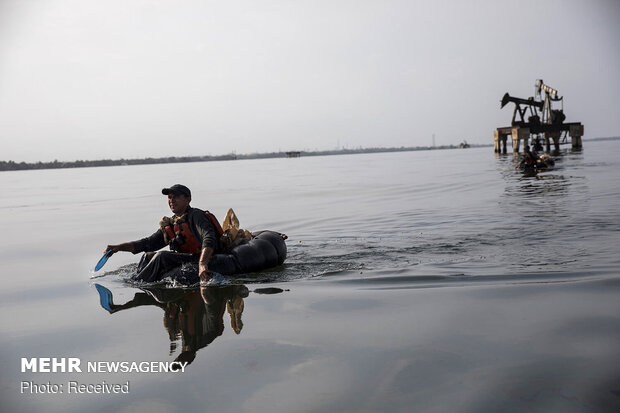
[(178, 203)]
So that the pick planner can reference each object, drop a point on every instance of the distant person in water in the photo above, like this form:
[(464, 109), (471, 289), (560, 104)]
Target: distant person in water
[(192, 235), (528, 157), (537, 145)]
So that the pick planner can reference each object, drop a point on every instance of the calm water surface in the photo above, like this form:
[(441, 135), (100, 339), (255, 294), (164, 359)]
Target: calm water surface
[(416, 281)]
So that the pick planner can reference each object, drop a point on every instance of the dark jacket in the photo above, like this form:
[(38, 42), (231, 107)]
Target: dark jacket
[(199, 224)]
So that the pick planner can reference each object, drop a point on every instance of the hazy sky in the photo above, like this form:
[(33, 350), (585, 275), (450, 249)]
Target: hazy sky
[(93, 79)]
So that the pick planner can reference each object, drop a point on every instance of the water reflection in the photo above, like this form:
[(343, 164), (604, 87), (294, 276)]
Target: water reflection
[(194, 317), (534, 183), (545, 198), (541, 213)]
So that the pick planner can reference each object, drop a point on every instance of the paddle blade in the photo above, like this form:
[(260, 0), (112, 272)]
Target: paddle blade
[(105, 297), (103, 260)]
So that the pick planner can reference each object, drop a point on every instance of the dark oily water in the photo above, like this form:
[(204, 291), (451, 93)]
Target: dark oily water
[(420, 281), (452, 215), (474, 218)]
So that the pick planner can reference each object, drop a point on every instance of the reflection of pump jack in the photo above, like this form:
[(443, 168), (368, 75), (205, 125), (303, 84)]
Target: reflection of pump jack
[(543, 120)]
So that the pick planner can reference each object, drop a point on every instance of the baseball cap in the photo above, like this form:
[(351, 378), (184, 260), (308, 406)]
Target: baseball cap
[(177, 189)]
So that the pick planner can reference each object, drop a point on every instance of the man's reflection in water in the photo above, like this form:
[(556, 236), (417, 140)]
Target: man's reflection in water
[(196, 316)]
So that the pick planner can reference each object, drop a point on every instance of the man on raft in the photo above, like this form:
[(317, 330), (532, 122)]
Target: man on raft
[(192, 234)]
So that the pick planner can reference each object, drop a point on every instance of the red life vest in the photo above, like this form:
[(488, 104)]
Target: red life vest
[(190, 243), (215, 223)]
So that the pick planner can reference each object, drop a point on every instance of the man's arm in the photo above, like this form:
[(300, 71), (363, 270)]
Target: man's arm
[(203, 264), (152, 243), (125, 246), (204, 231)]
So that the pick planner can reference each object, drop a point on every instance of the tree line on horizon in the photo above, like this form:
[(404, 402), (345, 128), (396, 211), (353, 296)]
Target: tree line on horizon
[(15, 166), (18, 166)]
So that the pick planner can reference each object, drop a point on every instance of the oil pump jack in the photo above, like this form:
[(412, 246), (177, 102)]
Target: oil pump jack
[(543, 120)]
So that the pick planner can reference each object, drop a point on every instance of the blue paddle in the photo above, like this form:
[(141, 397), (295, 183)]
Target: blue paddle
[(105, 297), (103, 260)]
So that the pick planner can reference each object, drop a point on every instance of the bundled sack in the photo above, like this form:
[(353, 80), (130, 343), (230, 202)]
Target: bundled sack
[(232, 235)]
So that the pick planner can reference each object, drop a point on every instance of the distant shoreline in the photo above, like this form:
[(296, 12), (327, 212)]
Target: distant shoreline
[(22, 166)]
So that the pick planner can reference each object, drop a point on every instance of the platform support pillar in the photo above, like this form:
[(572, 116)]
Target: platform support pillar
[(576, 132), (500, 139), (519, 134), (555, 136)]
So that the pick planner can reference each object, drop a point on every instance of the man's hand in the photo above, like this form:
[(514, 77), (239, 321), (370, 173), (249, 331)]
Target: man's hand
[(127, 246), (204, 275), (203, 265)]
